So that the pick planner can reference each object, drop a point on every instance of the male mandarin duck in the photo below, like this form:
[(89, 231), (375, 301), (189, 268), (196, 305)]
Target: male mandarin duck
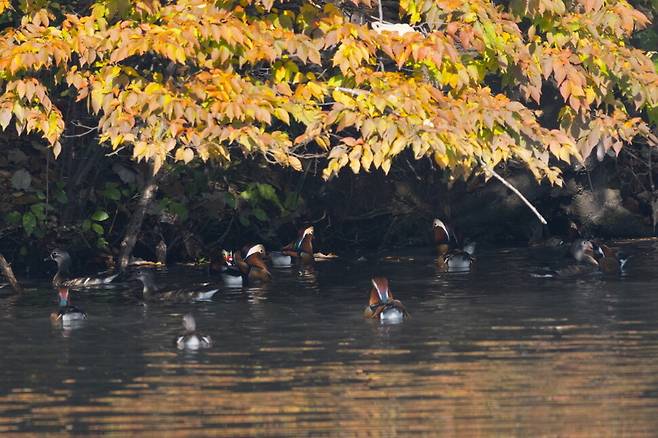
[(252, 264), (382, 305), (152, 292), (301, 249), (190, 339), (610, 261), (63, 277), (444, 238), (67, 313), (231, 274), (453, 254)]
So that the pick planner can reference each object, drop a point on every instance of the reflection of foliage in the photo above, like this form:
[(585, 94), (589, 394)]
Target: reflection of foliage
[(191, 79)]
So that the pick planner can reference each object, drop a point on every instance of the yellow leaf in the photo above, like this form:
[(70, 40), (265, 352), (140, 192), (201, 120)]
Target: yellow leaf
[(188, 155), (386, 165), (282, 115), (366, 158), (295, 163), (57, 149)]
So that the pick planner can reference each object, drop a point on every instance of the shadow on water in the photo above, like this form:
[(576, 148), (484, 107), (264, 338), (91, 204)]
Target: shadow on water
[(493, 351)]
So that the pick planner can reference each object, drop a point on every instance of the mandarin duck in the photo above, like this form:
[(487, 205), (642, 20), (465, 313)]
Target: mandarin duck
[(190, 339), (63, 278), (382, 305)]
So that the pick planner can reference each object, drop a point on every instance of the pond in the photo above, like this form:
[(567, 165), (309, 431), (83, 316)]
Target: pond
[(491, 352)]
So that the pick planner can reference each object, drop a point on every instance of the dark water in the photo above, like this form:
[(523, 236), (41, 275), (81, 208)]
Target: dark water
[(491, 352)]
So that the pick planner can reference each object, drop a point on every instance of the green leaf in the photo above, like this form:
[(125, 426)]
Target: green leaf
[(39, 210), (244, 220), (13, 218), (86, 225), (29, 223), (98, 229), (111, 192), (60, 196), (100, 216), (259, 214), (653, 114), (229, 200)]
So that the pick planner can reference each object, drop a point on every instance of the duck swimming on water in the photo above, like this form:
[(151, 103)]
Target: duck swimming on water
[(299, 250), (190, 339), (252, 264), (382, 304), (453, 253), (67, 312), (152, 292), (230, 272), (63, 277)]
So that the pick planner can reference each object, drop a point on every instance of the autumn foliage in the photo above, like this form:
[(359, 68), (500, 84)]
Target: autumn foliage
[(460, 82)]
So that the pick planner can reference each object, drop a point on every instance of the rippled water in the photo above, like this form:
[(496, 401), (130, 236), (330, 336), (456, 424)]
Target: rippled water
[(494, 351)]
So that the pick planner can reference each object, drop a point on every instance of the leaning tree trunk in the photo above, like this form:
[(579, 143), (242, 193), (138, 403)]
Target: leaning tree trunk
[(9, 274), (135, 224)]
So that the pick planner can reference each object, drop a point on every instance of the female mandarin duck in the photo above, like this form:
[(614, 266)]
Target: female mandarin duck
[(152, 292), (301, 249), (453, 255), (67, 313), (252, 265), (190, 339), (582, 252), (382, 305), (63, 279)]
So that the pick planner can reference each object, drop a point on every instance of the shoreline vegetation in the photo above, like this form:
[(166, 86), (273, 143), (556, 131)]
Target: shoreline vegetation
[(169, 130)]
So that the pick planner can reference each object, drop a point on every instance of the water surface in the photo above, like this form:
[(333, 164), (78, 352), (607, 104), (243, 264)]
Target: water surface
[(491, 352)]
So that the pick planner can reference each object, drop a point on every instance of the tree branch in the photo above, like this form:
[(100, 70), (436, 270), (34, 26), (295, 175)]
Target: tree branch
[(515, 190), (9, 275)]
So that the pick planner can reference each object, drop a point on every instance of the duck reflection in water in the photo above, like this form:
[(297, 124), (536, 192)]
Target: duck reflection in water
[(382, 305)]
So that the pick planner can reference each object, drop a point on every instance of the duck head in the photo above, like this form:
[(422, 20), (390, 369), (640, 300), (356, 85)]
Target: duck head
[(380, 293), (305, 240), (147, 278), (62, 258), (189, 324), (441, 233), (227, 257), (254, 257), (583, 251)]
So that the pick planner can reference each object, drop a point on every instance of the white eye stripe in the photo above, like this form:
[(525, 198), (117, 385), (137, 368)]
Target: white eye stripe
[(254, 249), (383, 295), (439, 223)]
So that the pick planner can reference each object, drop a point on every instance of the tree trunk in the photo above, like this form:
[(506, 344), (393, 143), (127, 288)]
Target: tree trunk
[(135, 224), (9, 274)]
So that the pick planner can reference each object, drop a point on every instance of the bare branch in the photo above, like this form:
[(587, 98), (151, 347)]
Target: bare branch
[(515, 190)]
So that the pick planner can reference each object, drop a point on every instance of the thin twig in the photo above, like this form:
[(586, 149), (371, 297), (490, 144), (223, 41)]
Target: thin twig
[(516, 191), (88, 131), (381, 12)]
